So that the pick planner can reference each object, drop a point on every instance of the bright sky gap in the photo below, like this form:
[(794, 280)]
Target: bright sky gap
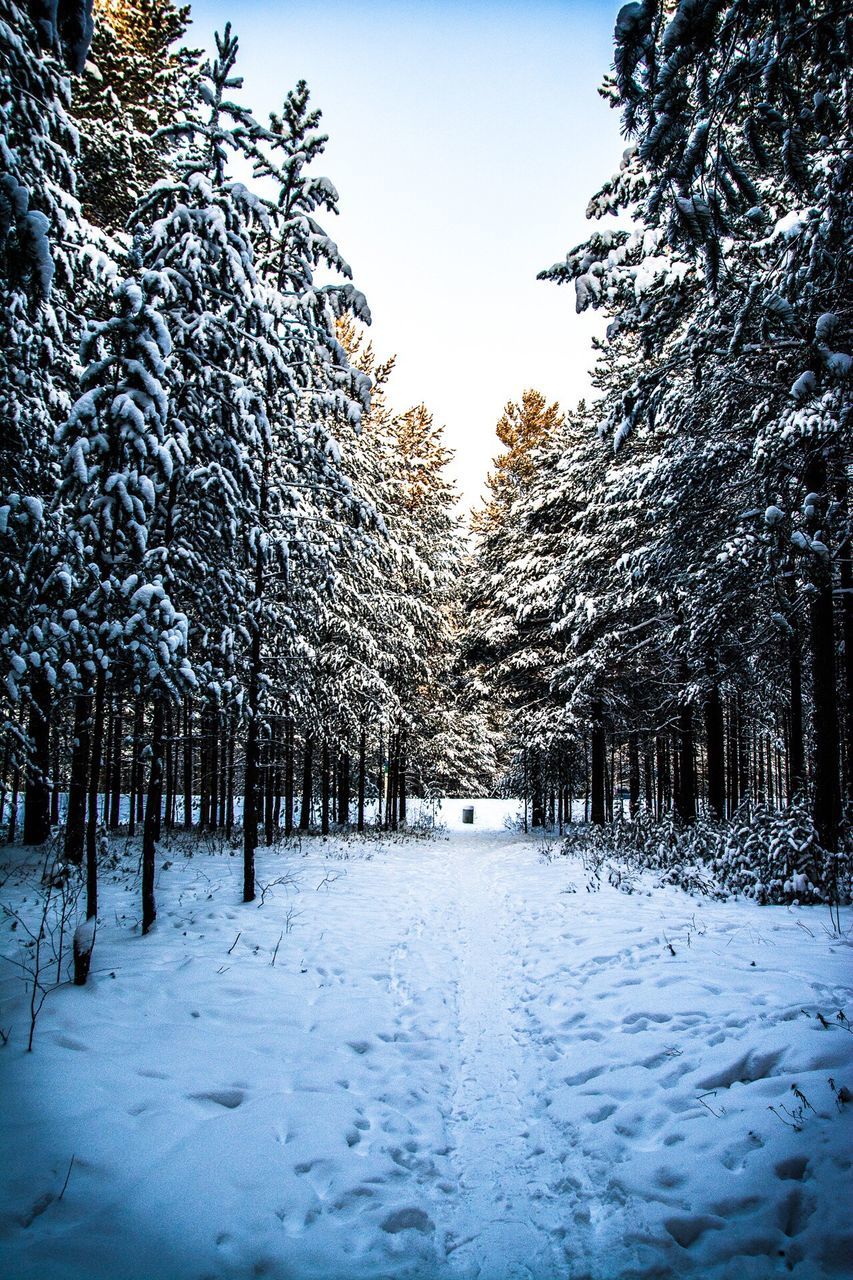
[(465, 143)]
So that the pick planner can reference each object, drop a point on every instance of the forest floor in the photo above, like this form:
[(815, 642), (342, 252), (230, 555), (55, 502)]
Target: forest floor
[(433, 1058)]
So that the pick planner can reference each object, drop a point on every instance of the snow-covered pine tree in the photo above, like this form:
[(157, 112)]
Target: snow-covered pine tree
[(136, 81), (311, 508), (507, 650), (118, 625), (41, 252), (196, 235), (732, 287)]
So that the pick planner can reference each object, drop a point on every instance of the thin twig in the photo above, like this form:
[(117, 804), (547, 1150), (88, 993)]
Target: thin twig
[(67, 1176)]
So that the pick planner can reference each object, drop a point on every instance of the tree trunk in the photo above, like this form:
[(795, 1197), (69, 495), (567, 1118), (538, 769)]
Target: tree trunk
[(214, 728), (537, 798), (288, 777), (115, 770), (250, 773), (743, 753), (599, 753), (3, 779), (269, 788), (714, 732), (75, 817), (325, 781), (633, 775), (307, 784), (168, 773), (685, 799), (135, 767), (13, 812), (204, 772), (827, 793), (230, 747), (362, 770), (107, 763), (845, 564), (344, 789), (55, 789), (37, 787), (187, 760), (150, 831), (94, 782), (796, 751)]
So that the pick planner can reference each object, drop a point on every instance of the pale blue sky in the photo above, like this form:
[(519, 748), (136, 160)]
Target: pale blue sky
[(465, 141)]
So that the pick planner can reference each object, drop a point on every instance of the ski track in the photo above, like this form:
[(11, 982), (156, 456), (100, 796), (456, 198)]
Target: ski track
[(459, 1068)]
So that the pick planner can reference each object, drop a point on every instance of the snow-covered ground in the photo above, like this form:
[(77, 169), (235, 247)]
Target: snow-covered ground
[(429, 1058)]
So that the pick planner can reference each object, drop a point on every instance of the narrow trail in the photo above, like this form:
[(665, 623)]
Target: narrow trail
[(499, 1134)]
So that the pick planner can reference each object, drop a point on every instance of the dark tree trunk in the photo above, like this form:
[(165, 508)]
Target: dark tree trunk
[(344, 789), (13, 812), (599, 755), (269, 789), (75, 818), (714, 735), (204, 772), (660, 750), (230, 747), (391, 797), (151, 829), (115, 769), (362, 771), (845, 564), (609, 779), (402, 790), (685, 799), (649, 776), (55, 789), (537, 798), (325, 782), (168, 775), (37, 787), (288, 777), (250, 777), (796, 751), (187, 761), (213, 768), (3, 780), (277, 769), (743, 754), (307, 784), (633, 775), (107, 764), (92, 816), (827, 794), (827, 789), (135, 767)]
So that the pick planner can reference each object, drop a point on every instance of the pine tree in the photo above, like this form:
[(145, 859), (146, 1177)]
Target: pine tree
[(133, 86)]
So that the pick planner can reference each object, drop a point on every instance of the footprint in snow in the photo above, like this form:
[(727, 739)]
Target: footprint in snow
[(229, 1098), (407, 1219)]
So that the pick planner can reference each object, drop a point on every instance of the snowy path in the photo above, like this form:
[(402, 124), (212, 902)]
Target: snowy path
[(499, 1164), (457, 1065)]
